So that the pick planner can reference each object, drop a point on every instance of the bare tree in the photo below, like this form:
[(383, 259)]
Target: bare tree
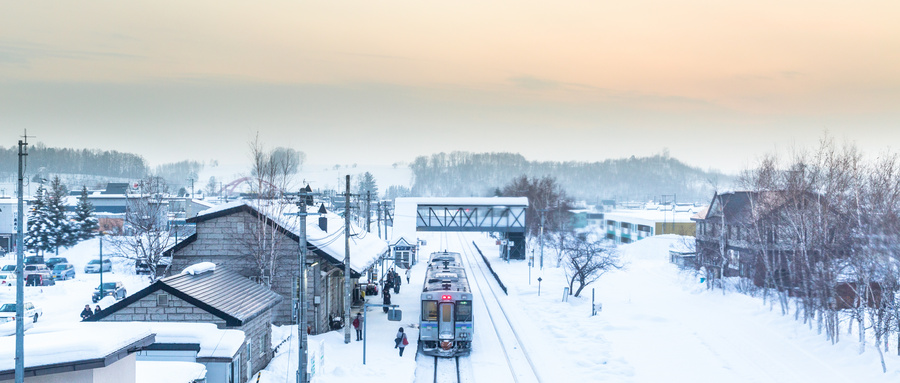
[(147, 233), (273, 172), (587, 259)]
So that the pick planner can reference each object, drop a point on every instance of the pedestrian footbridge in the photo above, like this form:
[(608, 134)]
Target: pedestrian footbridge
[(504, 215)]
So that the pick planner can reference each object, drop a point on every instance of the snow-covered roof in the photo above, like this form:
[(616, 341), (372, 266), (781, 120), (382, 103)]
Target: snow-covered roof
[(365, 247), (73, 342), (147, 371), (214, 342), (404, 220)]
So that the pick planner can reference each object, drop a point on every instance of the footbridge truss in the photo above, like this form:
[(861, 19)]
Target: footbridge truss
[(504, 215)]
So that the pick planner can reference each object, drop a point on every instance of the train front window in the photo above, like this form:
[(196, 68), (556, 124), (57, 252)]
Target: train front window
[(447, 313), (464, 311), (429, 311)]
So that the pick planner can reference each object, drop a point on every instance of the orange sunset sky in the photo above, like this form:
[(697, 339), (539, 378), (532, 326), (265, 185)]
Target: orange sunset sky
[(717, 83)]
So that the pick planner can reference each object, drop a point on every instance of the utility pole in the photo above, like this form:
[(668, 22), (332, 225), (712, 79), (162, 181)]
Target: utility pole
[(20, 272), (347, 297), (368, 211), (302, 314), (665, 207), (378, 222), (192, 187)]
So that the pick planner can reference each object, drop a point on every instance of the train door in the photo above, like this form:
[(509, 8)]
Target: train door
[(446, 325)]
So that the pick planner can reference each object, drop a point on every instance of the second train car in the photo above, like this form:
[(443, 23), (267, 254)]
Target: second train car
[(446, 325)]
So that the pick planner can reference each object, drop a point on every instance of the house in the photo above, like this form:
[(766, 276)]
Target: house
[(721, 234), (629, 225), (9, 208), (87, 353), (228, 235), (404, 242), (205, 294), (746, 234), (218, 351)]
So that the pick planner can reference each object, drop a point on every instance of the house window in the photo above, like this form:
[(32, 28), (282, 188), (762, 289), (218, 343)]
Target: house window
[(162, 300)]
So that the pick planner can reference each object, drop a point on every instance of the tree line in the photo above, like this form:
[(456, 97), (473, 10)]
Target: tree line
[(107, 163), (636, 178)]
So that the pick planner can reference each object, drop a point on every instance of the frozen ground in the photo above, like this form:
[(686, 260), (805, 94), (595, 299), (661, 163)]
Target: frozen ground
[(657, 324)]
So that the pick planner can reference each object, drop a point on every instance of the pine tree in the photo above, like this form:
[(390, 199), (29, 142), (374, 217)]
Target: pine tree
[(38, 237), (88, 224), (367, 183), (62, 231)]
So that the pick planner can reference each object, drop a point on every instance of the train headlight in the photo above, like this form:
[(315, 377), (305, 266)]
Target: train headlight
[(446, 297)]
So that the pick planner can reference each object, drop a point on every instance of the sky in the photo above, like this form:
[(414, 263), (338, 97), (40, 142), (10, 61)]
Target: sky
[(717, 84)]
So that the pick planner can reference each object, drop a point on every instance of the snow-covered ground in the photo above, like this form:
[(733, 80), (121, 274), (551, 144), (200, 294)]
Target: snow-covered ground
[(657, 324), (64, 301)]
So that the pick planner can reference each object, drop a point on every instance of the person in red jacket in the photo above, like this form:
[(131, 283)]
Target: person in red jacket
[(358, 325)]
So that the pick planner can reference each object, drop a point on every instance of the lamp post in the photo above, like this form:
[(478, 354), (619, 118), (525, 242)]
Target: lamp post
[(101, 263)]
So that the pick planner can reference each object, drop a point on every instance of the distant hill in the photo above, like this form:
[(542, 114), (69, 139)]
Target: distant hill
[(631, 179)]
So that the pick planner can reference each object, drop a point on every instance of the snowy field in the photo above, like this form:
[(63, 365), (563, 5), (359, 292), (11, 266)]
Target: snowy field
[(657, 324), (64, 301)]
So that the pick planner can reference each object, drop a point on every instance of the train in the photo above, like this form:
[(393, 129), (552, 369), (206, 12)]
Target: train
[(446, 324)]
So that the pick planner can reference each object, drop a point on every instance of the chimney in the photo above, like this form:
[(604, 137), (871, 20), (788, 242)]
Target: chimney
[(323, 221)]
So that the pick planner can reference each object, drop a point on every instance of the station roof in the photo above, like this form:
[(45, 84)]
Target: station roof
[(365, 248)]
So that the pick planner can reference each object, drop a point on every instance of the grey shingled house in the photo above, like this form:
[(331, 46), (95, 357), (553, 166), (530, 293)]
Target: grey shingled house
[(221, 297)]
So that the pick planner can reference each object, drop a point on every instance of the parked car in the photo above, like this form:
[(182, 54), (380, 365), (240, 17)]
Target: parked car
[(34, 260), (63, 271), (39, 280), (53, 261), (113, 289), (141, 267), (36, 269), (94, 266), (7, 279), (8, 269), (31, 311), (8, 325)]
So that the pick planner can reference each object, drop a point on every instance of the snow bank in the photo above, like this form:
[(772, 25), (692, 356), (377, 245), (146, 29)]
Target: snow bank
[(199, 268)]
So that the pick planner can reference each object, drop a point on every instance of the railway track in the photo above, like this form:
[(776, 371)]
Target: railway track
[(446, 370), (521, 367)]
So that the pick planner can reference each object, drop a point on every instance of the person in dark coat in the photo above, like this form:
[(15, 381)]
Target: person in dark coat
[(388, 282), (401, 341), (86, 313), (357, 324), (97, 310), (397, 281), (387, 300)]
